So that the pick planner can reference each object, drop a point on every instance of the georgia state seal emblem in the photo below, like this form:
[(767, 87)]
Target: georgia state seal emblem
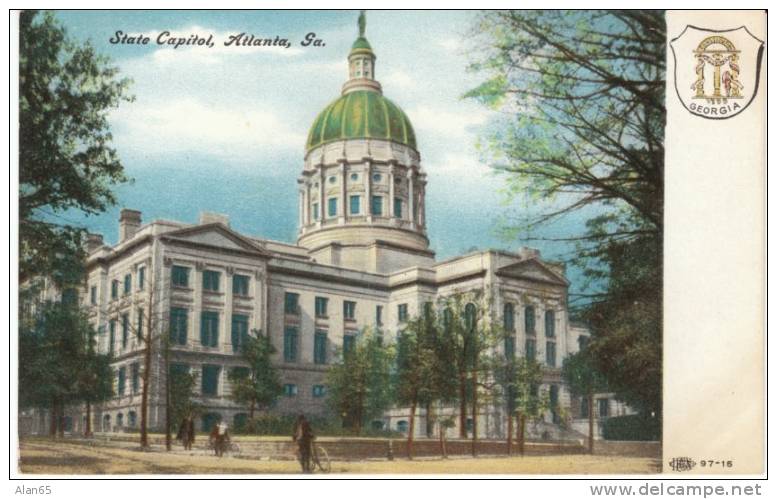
[(716, 72)]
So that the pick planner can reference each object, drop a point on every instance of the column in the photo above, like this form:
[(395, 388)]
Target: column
[(343, 192), (390, 207), (307, 203), (193, 337), (226, 340), (411, 195), (368, 190), (258, 315), (321, 194)]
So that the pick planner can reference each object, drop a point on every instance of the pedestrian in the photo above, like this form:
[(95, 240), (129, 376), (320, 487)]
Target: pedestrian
[(303, 436)]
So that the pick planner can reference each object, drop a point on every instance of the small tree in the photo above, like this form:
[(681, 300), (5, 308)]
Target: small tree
[(181, 386), (257, 385), (416, 366), (360, 385), (580, 374), (525, 395)]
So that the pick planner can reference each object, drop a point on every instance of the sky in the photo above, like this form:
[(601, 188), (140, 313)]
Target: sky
[(223, 129)]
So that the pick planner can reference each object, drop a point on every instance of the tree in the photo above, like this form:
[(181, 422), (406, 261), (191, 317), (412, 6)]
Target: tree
[(359, 385), (258, 385), (583, 99), (417, 366), (66, 161), (58, 364), (469, 334), (525, 396), (583, 379), (181, 387)]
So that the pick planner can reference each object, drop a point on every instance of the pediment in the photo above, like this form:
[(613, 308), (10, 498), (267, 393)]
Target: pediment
[(215, 236), (533, 270)]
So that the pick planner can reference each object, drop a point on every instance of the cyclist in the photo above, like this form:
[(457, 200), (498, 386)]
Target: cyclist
[(302, 434)]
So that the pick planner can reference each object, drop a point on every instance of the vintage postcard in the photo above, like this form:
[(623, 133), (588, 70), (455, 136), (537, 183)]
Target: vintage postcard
[(508, 243)]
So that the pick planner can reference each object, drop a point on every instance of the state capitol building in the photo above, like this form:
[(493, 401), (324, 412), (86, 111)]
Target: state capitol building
[(361, 259)]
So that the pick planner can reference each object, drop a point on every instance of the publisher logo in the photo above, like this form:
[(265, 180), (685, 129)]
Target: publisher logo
[(716, 72)]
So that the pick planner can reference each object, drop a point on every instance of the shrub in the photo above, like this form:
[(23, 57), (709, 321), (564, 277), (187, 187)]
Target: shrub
[(633, 427)]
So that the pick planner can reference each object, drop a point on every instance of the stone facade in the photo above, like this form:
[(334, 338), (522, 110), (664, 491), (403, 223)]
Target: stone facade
[(362, 240)]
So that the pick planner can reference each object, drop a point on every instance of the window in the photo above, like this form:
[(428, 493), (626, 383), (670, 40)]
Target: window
[(128, 284), (321, 304), (528, 320), (319, 391), (141, 277), (509, 317), (377, 205), (179, 369), (180, 276), (553, 396), (398, 207), (402, 312), (331, 207), (240, 285), (584, 407), (135, 370), (349, 310), (114, 289), (239, 331), (209, 329), (550, 353), (550, 323), (124, 330), (379, 315), (510, 346), (582, 341), (291, 304), (402, 426), (319, 347), (354, 177), (349, 343), (210, 380), (239, 373), (140, 324), (70, 296), (111, 335), (355, 202), (531, 349), (289, 390), (290, 335), (470, 316), (179, 318), (132, 419), (93, 295), (210, 280), (604, 407), (376, 177), (122, 380), (315, 211), (332, 179)]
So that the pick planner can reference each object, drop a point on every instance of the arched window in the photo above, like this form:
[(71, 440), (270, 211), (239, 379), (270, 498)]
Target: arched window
[(550, 323), (120, 420), (447, 319), (107, 422), (529, 318), (132, 419), (470, 316), (402, 426)]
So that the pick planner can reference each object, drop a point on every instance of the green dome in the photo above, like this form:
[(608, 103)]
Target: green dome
[(361, 114), (361, 43)]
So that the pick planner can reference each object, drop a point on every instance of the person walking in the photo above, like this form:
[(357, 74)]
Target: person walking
[(302, 435)]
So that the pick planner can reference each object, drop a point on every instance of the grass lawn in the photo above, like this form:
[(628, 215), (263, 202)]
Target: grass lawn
[(68, 458)]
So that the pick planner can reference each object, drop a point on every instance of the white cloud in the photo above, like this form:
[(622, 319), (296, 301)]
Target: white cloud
[(450, 44), (397, 80), (451, 122), (189, 125)]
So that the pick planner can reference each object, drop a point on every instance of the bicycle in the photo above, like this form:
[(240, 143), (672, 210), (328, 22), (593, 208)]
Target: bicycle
[(230, 447), (320, 459)]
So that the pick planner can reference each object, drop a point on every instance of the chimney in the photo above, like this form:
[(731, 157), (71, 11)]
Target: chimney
[(526, 252), (208, 217), (93, 242), (129, 223)]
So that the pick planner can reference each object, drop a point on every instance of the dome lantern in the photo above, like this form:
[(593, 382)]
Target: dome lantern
[(361, 63)]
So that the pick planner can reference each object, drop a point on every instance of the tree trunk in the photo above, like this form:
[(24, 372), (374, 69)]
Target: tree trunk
[(88, 426), (146, 372), (590, 422), (443, 450), (474, 412), (429, 423), (61, 420), (462, 407), (509, 433), (411, 430), (53, 423), (252, 410), (521, 433), (168, 416)]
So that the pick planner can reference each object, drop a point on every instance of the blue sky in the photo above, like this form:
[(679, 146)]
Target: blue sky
[(223, 129)]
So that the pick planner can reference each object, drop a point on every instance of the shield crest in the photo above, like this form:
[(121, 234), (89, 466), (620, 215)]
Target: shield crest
[(716, 72)]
